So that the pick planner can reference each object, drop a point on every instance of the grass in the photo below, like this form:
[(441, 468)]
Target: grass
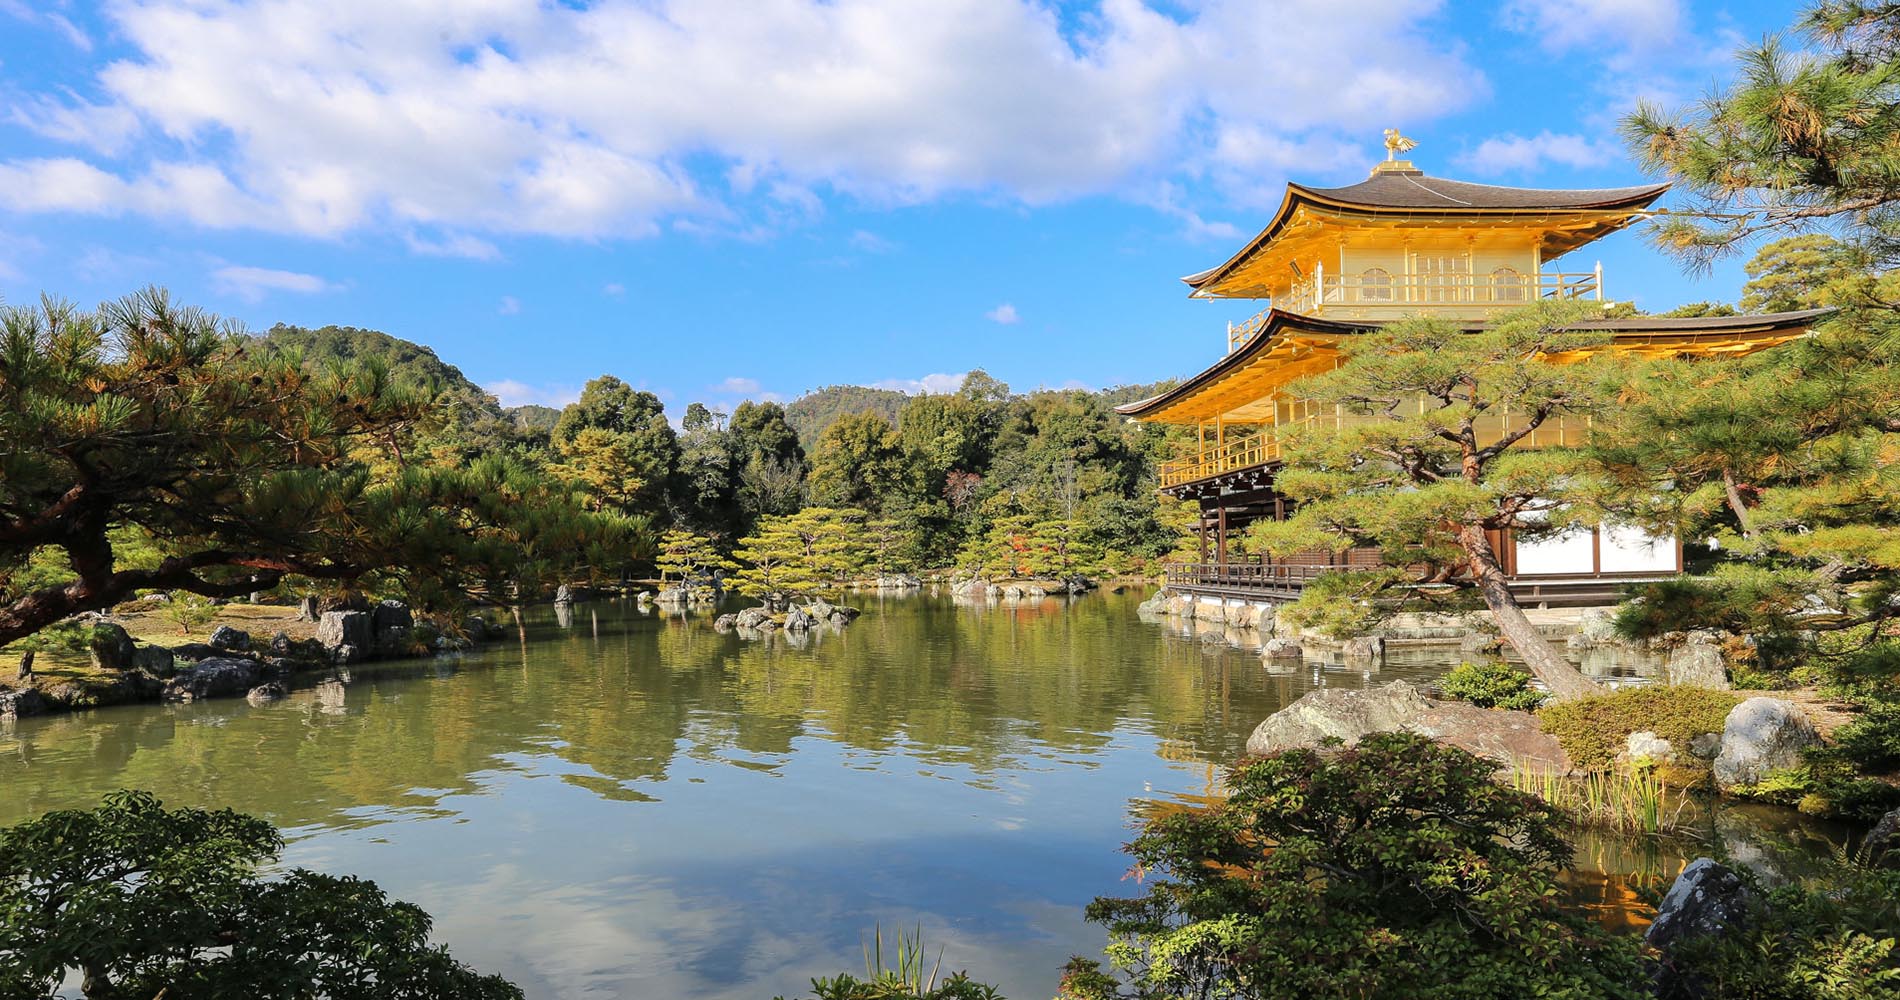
[(908, 973), (1636, 801)]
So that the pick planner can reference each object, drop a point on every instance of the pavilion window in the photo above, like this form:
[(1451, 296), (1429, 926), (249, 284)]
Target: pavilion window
[(1445, 277), (1375, 285), (1507, 285)]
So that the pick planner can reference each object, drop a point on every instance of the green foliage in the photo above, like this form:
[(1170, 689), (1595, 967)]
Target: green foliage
[(958, 986), (1594, 730), (1805, 136), (859, 463), (1800, 272), (1831, 937), (1343, 604), (685, 556), (157, 450), (616, 447), (188, 613), (815, 551), (1397, 869), (1494, 684), (812, 414), (1872, 741), (140, 901)]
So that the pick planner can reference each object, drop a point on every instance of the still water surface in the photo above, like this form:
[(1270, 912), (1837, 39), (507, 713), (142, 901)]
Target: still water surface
[(634, 805)]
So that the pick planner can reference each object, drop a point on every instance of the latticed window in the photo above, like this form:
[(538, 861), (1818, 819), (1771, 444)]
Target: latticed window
[(1507, 285), (1445, 277), (1375, 285)]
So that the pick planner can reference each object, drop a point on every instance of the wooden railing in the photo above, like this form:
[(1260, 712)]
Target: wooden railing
[(1244, 449), (1359, 296), (1252, 576)]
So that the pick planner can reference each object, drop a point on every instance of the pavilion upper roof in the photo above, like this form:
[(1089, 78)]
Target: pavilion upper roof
[(1400, 195)]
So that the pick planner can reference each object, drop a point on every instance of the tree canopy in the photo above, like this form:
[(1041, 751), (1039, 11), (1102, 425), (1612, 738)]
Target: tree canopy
[(155, 424)]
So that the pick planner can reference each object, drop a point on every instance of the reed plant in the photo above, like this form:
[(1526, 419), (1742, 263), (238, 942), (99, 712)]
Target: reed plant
[(1635, 801)]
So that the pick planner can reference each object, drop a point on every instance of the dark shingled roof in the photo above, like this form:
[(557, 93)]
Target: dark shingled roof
[(1413, 189)]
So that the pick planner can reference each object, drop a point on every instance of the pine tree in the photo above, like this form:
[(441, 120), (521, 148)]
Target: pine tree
[(815, 551), (686, 556), (1434, 459), (149, 421)]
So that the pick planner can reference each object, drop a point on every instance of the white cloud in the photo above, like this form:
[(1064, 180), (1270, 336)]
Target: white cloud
[(471, 247), (936, 384), (509, 305), (1510, 153), (513, 393), (57, 22), (870, 242), (610, 120), (613, 289), (1562, 25), (737, 386), (1004, 314), (252, 284)]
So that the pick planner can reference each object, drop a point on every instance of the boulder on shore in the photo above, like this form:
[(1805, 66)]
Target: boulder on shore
[(1346, 714), (18, 703), (112, 647), (1761, 735), (336, 629), (1281, 648), (212, 678), (1707, 900), (229, 638)]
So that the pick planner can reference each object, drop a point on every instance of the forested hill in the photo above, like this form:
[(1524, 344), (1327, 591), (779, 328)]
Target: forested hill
[(811, 413), (406, 359)]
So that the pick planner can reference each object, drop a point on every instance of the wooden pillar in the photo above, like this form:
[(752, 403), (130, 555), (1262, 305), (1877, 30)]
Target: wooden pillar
[(1220, 548)]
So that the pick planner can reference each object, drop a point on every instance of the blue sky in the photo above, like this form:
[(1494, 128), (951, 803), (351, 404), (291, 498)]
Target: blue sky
[(718, 199)]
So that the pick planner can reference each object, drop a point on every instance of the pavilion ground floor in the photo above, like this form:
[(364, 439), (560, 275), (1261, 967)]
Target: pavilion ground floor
[(1582, 567)]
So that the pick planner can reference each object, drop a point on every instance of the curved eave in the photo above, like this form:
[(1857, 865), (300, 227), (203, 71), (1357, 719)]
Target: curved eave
[(1272, 333), (1297, 195), (1643, 334)]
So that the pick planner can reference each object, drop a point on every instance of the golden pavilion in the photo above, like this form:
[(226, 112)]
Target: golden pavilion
[(1336, 262)]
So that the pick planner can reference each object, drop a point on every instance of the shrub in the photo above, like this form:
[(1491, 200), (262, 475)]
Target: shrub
[(1594, 730), (1341, 605), (1397, 869), (1828, 938), (1872, 741), (137, 900), (1491, 685)]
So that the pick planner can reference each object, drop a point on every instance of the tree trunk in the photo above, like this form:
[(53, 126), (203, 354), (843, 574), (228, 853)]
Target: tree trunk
[(1566, 682), (26, 665), (1736, 505)]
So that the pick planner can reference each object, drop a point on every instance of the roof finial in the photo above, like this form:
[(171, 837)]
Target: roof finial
[(1396, 144)]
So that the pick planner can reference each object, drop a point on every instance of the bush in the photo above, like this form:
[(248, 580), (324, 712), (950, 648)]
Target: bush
[(849, 987), (1491, 685), (1829, 938), (137, 900), (1594, 730), (1872, 741), (1397, 869)]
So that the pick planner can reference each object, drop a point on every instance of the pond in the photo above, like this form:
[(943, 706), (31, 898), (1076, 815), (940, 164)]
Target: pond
[(636, 805)]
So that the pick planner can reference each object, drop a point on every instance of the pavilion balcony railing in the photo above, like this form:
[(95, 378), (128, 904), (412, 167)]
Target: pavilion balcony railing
[(1385, 297), (1244, 447)]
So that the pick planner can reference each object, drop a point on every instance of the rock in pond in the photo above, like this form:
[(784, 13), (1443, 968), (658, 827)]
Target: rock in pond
[(213, 678), (1346, 714), (1759, 736), (725, 622), (1282, 648), (751, 618), (1365, 647), (266, 692), (1706, 900), (796, 620)]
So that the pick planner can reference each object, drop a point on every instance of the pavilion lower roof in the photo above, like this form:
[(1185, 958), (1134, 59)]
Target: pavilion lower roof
[(1241, 386)]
